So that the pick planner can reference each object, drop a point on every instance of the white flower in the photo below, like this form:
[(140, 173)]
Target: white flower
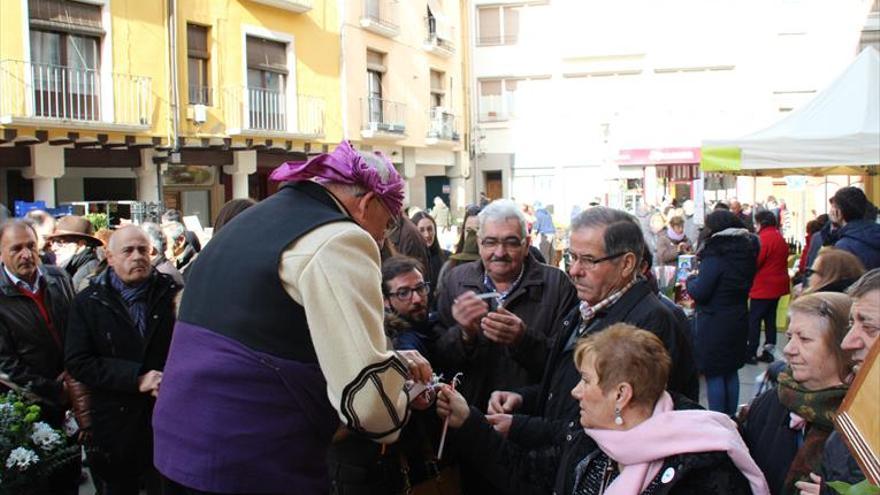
[(22, 458), (44, 436)]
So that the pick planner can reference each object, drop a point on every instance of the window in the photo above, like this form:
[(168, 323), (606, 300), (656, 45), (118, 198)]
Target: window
[(497, 99), (65, 58), (197, 64), (375, 71), (438, 92), (266, 82), (498, 25)]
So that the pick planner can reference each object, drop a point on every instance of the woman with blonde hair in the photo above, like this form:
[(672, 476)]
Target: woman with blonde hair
[(786, 427), (834, 270)]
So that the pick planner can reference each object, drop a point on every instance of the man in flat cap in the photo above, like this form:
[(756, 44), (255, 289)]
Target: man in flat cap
[(253, 392)]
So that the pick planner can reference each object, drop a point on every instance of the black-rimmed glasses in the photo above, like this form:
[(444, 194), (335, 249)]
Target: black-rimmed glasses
[(406, 293)]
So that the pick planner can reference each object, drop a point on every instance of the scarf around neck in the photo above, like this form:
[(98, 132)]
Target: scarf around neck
[(673, 235), (641, 450), (135, 297), (817, 408)]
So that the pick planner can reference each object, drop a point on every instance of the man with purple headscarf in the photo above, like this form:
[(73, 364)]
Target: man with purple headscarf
[(279, 343)]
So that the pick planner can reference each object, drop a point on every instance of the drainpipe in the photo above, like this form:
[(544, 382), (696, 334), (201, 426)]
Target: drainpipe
[(342, 68), (473, 92), (174, 96)]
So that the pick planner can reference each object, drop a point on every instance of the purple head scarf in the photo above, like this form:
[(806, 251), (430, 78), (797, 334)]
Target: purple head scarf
[(347, 166)]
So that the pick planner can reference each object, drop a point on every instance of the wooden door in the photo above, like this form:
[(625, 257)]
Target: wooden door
[(494, 189)]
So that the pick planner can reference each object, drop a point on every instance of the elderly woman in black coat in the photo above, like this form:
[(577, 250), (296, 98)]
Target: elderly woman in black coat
[(728, 262)]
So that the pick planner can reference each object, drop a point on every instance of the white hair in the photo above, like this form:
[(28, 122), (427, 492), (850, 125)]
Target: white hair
[(156, 235), (502, 210), (174, 230)]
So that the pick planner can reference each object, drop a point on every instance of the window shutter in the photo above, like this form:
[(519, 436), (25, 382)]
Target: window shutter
[(490, 26), (66, 15), (511, 24), (197, 41), (490, 88), (266, 54), (437, 81), (375, 61)]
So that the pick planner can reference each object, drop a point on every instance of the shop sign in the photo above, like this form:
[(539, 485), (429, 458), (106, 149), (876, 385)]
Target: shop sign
[(658, 156), (188, 175)]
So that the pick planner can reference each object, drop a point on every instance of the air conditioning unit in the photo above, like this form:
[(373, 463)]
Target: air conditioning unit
[(200, 114)]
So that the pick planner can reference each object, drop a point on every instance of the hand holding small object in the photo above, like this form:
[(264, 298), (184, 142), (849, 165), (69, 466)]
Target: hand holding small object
[(448, 402), (467, 309)]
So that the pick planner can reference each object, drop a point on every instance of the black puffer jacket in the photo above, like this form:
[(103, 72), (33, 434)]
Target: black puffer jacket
[(105, 351), (693, 473), (28, 352)]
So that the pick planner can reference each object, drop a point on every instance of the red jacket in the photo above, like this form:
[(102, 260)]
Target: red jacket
[(771, 280)]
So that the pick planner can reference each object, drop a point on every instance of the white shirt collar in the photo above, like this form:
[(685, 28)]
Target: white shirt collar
[(19, 282)]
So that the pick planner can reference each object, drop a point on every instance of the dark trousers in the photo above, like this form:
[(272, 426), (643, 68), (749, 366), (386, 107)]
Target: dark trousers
[(172, 488), (761, 310), (108, 484)]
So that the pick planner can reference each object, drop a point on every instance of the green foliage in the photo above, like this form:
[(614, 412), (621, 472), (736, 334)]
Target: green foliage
[(98, 220), (862, 488)]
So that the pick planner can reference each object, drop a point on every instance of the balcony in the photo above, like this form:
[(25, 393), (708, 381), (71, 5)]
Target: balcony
[(383, 119), (298, 6), (200, 95), (439, 36), (265, 112), (442, 126), (34, 94), (380, 17)]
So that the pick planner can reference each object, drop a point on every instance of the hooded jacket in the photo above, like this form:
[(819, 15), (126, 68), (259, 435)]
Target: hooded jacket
[(721, 290), (861, 238)]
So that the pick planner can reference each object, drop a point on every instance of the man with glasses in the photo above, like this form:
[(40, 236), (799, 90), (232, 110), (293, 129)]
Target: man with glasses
[(358, 465), (606, 250), (406, 292), (279, 343), (500, 314)]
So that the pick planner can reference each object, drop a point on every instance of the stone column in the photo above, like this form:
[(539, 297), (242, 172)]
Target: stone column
[(47, 164), (148, 179), (244, 163)]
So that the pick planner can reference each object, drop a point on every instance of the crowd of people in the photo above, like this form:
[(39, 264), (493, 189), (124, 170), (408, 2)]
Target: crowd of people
[(322, 342)]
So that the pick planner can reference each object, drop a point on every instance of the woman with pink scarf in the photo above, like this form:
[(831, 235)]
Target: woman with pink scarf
[(634, 438)]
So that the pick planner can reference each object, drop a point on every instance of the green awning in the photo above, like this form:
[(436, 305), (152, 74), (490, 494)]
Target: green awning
[(720, 159)]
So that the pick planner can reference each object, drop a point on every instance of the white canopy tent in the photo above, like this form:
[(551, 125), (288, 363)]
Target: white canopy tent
[(837, 132)]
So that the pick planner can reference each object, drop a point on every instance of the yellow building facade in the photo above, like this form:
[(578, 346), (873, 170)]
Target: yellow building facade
[(92, 107), (405, 89)]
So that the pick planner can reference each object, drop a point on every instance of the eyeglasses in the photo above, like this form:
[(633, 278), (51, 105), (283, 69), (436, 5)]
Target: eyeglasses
[(392, 224), (406, 293), (589, 262), (509, 243), (810, 272)]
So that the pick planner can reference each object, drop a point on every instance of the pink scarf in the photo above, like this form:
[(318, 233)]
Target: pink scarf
[(642, 449)]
